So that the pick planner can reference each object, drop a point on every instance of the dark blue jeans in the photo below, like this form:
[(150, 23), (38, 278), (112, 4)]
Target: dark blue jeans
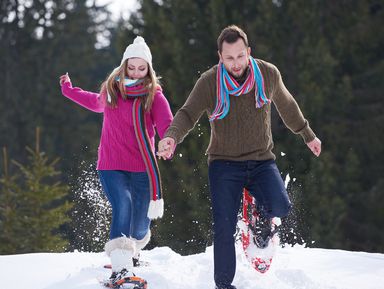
[(227, 179), (128, 193)]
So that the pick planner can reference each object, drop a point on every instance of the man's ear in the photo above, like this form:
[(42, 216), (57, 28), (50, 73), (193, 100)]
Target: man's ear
[(249, 51), (218, 53)]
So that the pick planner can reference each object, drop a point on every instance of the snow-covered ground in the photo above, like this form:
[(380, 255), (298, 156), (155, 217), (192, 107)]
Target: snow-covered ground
[(293, 267)]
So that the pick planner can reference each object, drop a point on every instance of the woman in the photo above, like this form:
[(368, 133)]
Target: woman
[(133, 105)]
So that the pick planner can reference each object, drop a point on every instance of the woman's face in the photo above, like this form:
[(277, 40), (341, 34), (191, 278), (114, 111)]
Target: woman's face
[(137, 68)]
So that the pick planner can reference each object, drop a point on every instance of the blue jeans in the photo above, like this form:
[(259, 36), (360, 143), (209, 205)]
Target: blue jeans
[(227, 179), (128, 193)]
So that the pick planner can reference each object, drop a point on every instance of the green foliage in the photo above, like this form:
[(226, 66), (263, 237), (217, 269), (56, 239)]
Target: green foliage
[(329, 56), (331, 59), (33, 206), (10, 222), (39, 41), (44, 40)]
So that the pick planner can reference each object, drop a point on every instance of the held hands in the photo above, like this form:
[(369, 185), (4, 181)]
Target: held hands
[(166, 147), (315, 146), (64, 78)]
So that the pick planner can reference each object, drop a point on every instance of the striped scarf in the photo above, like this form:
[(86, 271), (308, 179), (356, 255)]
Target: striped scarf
[(136, 90), (133, 88), (226, 85)]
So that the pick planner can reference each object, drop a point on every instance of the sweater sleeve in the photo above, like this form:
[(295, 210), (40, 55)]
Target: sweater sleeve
[(188, 115), (161, 113), (89, 100), (289, 110)]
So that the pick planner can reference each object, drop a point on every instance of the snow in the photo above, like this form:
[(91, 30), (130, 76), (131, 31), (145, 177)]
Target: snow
[(293, 267)]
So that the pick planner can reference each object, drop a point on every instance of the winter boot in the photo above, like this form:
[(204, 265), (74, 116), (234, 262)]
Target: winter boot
[(136, 260), (263, 231), (140, 244), (121, 251)]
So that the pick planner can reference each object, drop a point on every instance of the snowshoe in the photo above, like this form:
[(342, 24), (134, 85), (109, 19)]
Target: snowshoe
[(258, 235), (125, 280)]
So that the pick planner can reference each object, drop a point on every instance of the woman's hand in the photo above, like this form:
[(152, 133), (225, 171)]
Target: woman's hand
[(64, 78), (166, 148)]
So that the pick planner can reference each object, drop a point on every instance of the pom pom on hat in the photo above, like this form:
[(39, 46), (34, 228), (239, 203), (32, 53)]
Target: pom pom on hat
[(140, 49)]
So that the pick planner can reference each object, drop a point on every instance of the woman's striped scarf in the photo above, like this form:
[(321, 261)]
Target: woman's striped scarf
[(133, 88), (136, 89), (226, 85)]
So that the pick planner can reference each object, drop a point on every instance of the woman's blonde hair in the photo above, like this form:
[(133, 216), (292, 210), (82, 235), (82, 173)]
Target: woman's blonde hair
[(114, 88)]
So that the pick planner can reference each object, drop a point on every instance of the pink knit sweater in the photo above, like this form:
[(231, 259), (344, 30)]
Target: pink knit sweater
[(118, 149)]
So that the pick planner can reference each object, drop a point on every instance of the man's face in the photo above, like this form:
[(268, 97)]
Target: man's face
[(235, 57)]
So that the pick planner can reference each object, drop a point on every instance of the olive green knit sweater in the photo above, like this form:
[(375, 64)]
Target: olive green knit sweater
[(245, 133)]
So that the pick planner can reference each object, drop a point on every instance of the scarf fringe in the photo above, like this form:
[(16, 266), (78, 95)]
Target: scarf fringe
[(156, 209)]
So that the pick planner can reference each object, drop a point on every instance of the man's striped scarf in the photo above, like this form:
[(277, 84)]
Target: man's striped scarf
[(226, 85)]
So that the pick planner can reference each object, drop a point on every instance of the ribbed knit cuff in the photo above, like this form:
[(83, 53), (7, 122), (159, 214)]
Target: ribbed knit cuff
[(307, 134), (65, 87), (173, 133)]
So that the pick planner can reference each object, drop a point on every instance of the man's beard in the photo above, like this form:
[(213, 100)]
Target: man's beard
[(238, 76)]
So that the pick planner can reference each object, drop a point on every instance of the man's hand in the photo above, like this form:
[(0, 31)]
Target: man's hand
[(315, 146), (166, 147)]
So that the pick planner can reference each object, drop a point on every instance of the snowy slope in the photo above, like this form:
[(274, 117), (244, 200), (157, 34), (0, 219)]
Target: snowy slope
[(297, 267)]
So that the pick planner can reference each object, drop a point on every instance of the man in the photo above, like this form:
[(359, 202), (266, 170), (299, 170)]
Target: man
[(237, 94)]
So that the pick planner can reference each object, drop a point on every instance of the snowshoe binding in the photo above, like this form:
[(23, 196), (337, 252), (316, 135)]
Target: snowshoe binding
[(125, 280)]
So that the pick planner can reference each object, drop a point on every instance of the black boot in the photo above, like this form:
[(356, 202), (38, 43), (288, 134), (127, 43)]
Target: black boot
[(136, 262), (263, 232), (139, 263)]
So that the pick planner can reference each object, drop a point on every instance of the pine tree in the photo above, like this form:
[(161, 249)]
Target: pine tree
[(10, 223), (44, 40), (39, 41), (331, 60), (33, 205)]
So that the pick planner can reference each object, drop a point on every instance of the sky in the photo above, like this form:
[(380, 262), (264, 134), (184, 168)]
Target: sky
[(292, 268), (119, 7)]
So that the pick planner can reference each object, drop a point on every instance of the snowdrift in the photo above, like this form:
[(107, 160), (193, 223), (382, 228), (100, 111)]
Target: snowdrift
[(293, 267)]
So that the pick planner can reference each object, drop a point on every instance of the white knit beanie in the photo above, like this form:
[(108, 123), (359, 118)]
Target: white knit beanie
[(138, 49)]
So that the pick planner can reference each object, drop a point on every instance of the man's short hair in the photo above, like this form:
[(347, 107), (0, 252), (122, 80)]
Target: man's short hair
[(231, 34)]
